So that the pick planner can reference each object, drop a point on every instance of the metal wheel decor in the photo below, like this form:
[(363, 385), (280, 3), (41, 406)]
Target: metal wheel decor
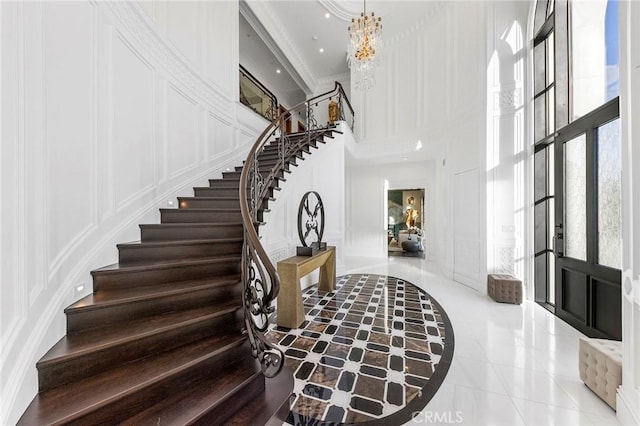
[(310, 224)]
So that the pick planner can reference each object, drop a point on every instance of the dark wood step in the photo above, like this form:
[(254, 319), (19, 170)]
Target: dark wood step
[(130, 275), (274, 161), (231, 175), (109, 308), (207, 402), (207, 191), (79, 356), (275, 156), (190, 231), (267, 166), (211, 202), (169, 250), (271, 407), (224, 183), (114, 396), (201, 215)]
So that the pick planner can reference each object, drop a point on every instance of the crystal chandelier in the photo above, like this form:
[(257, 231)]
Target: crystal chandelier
[(364, 47)]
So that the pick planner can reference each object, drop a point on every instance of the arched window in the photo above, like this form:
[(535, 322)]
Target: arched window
[(577, 163)]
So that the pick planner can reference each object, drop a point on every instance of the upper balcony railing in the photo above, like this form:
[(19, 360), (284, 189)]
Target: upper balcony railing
[(257, 97)]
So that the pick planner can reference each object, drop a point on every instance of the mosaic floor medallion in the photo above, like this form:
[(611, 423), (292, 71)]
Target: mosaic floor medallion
[(374, 351)]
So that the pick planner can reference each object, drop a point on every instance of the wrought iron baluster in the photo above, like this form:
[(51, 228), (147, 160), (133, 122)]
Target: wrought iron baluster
[(259, 276)]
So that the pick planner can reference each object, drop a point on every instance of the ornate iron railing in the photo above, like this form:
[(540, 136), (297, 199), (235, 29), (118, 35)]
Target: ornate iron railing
[(256, 96), (259, 275)]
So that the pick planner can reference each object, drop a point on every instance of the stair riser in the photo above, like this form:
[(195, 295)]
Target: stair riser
[(195, 232), (177, 251), (127, 279), (266, 167), (216, 192), (241, 399), (127, 406), (193, 216), (203, 203), (84, 319), (220, 183), (235, 176), (65, 371)]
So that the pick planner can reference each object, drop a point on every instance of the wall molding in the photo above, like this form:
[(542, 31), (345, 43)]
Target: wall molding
[(137, 23), (196, 142)]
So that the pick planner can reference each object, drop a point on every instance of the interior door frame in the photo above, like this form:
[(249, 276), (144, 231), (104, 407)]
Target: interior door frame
[(589, 271)]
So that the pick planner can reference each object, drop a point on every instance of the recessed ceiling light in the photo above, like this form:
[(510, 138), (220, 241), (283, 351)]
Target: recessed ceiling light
[(278, 70), (321, 50), (314, 38), (418, 145), (326, 15), (405, 158)]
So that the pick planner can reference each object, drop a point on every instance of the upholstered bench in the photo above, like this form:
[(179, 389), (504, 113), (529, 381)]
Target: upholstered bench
[(504, 288), (600, 365)]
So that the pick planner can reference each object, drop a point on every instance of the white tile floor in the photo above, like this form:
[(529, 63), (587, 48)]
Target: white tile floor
[(512, 364)]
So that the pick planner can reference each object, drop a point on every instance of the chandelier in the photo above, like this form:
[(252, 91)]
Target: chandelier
[(364, 47)]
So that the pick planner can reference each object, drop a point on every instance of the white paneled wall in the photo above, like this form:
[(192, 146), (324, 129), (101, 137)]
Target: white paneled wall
[(366, 225), (431, 87), (628, 396), (109, 110), (507, 153)]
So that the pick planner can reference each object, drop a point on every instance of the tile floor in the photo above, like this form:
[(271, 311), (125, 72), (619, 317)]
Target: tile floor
[(512, 364), (374, 350)]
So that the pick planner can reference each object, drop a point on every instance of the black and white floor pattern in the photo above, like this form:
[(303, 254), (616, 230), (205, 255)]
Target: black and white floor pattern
[(373, 351)]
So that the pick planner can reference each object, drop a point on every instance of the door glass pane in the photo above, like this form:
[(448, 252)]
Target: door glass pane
[(551, 295), (551, 111), (540, 175), (540, 227), (575, 198), (550, 7), (540, 16), (539, 68), (609, 194), (594, 54), (540, 112), (551, 66)]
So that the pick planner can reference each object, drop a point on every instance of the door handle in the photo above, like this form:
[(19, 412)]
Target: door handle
[(558, 241)]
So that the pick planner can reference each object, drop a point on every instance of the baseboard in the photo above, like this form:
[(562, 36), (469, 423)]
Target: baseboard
[(627, 412)]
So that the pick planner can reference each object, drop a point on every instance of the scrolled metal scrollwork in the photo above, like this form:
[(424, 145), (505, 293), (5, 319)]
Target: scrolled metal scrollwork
[(258, 297), (259, 275)]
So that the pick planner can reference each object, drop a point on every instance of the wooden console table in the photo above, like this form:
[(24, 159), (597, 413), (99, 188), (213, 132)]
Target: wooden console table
[(290, 311)]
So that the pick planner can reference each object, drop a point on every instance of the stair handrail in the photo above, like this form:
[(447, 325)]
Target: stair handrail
[(261, 283)]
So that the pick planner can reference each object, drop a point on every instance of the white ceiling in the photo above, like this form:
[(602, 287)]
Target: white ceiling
[(293, 31), (298, 29)]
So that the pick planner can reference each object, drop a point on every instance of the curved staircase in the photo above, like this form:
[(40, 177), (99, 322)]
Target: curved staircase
[(160, 341)]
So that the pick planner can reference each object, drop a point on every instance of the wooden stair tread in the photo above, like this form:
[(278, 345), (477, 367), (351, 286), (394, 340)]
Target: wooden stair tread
[(212, 198), (177, 243), (105, 298), (188, 406), (203, 209), (99, 339), (145, 265), (68, 403), (191, 224)]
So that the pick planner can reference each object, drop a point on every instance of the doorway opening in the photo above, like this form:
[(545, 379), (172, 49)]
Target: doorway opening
[(405, 232)]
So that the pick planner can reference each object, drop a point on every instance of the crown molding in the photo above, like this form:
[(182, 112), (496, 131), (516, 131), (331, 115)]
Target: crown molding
[(338, 10), (270, 29), (434, 8)]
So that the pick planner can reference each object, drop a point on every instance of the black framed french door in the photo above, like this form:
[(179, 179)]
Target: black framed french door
[(586, 239)]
